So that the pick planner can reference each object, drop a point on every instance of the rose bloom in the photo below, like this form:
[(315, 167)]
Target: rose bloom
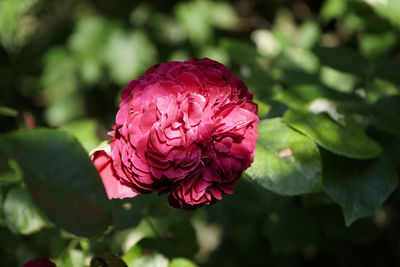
[(186, 128), (39, 262)]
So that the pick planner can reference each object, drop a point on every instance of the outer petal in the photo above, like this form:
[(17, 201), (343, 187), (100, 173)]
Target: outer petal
[(114, 188)]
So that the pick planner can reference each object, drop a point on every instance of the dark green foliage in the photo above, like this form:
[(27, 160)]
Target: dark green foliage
[(61, 179), (323, 188)]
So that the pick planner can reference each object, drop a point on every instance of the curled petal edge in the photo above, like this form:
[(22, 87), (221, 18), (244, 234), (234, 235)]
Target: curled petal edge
[(114, 188)]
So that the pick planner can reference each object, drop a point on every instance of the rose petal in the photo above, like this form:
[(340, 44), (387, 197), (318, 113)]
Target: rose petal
[(114, 188), (39, 262)]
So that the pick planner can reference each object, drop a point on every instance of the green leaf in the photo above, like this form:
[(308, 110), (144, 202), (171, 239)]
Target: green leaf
[(308, 35), (298, 97), (1, 208), (61, 179), (59, 74), (132, 255), (20, 212), (346, 138), (64, 110), (260, 83), (214, 53), (240, 51), (88, 43), (330, 76), (359, 187), (84, 131), (74, 258), (291, 77), (386, 114), (390, 69), (128, 212), (128, 54), (8, 112), (378, 45), (108, 259), (391, 145), (196, 18), (286, 161), (10, 172), (268, 108), (181, 262), (343, 59), (11, 26), (152, 259), (332, 9), (388, 9)]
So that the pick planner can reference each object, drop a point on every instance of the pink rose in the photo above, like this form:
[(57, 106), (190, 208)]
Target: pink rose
[(40, 262), (187, 128)]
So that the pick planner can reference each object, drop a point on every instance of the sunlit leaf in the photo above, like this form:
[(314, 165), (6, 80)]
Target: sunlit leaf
[(64, 110), (74, 258), (10, 172), (286, 162), (346, 138), (181, 262), (308, 34), (152, 259), (12, 32), (132, 255), (266, 43), (215, 53), (88, 42), (128, 54), (332, 9), (85, 131), (299, 96), (21, 213), (7, 111), (196, 18), (223, 15), (284, 27), (378, 88), (330, 78), (376, 46), (388, 9), (168, 30), (298, 59)]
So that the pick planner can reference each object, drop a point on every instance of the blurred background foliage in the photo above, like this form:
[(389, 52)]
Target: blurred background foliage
[(64, 63)]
